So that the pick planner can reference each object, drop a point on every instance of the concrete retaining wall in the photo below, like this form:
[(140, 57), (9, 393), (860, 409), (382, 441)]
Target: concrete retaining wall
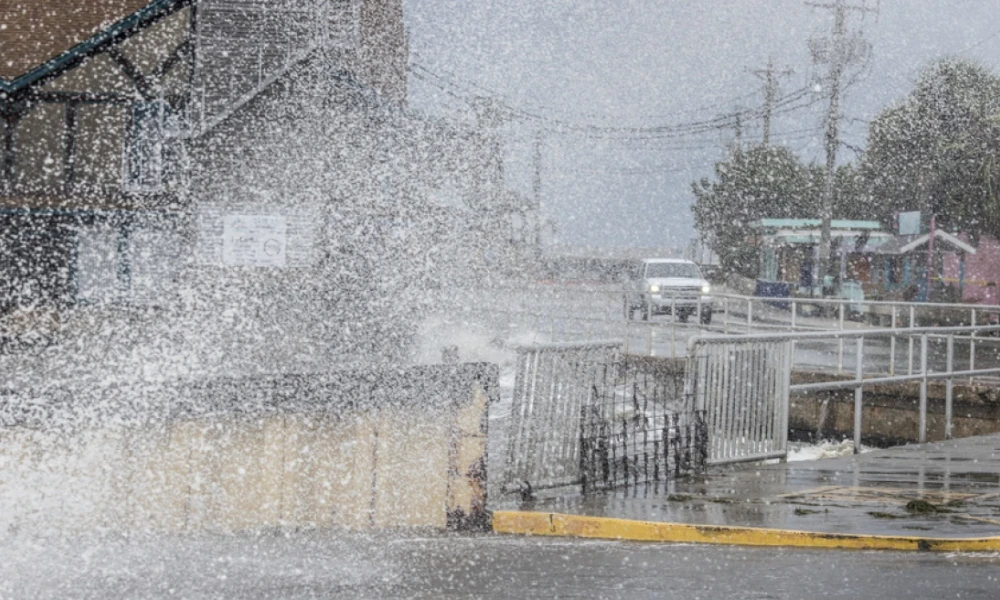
[(891, 413), (407, 450)]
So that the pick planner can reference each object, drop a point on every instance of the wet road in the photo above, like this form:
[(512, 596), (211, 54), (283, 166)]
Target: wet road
[(575, 313), (329, 565)]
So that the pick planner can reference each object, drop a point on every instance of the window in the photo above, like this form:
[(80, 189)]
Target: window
[(98, 264), (40, 150), (686, 270), (144, 156)]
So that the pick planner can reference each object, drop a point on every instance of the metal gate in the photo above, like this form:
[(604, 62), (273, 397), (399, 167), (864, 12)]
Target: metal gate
[(743, 388), (587, 414)]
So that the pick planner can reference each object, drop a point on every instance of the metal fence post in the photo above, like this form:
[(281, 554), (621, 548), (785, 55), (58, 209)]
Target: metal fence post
[(840, 360), (949, 387), (892, 344), (794, 311), (972, 349), (858, 393), (725, 317), (749, 314), (649, 339), (922, 433), (785, 398), (909, 366)]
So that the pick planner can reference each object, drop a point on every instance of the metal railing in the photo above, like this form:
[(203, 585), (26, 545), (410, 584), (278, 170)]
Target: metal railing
[(586, 414), (742, 388), (563, 314), (735, 395), (551, 385)]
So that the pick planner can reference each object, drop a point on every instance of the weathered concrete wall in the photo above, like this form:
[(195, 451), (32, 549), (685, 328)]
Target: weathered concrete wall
[(891, 413), (419, 462)]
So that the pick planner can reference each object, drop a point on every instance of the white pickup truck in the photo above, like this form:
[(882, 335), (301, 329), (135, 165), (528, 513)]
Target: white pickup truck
[(665, 285)]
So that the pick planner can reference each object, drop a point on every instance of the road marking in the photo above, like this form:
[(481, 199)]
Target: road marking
[(562, 525)]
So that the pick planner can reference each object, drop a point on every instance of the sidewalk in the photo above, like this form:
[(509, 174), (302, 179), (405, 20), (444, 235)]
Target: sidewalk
[(942, 496)]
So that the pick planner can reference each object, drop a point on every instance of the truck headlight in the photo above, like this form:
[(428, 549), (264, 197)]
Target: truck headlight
[(706, 289), (654, 288)]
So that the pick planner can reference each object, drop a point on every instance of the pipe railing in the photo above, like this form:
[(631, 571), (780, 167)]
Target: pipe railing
[(581, 313), (860, 381)]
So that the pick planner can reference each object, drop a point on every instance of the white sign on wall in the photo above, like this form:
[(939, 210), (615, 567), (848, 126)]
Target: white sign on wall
[(909, 223), (254, 240)]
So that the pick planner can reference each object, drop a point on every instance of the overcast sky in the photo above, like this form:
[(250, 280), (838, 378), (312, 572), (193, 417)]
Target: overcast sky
[(642, 63)]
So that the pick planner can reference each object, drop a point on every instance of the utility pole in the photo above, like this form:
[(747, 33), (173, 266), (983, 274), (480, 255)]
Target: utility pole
[(840, 51), (536, 186), (770, 93), (738, 127)]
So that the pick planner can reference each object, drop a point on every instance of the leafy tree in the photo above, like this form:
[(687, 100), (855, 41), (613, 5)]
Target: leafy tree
[(765, 182), (937, 151)]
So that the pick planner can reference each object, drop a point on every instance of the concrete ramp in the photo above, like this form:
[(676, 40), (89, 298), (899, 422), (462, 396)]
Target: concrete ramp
[(360, 450)]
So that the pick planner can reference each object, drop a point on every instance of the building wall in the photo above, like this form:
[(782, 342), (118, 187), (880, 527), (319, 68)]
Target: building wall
[(982, 271), (71, 135), (243, 45), (39, 30), (74, 222), (389, 201)]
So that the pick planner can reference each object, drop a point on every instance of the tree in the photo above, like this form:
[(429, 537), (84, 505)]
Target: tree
[(936, 152), (767, 182), (763, 181)]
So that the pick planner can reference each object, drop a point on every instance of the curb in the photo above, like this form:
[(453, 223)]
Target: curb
[(562, 525)]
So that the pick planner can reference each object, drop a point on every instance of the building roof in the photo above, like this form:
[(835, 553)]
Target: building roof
[(813, 223), (941, 236), (668, 260), (904, 244), (41, 37)]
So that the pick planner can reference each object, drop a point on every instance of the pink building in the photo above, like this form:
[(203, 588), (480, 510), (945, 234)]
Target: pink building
[(982, 271)]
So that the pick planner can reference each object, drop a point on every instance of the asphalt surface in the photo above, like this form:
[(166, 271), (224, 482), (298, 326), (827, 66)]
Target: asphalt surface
[(868, 494), (563, 312), (341, 565)]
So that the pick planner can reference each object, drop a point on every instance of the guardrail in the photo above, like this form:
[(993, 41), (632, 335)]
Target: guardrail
[(551, 384), (585, 413), (741, 387), (568, 314), (790, 314), (730, 393)]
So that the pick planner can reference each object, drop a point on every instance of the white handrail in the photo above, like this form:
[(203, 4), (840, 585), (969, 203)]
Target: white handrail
[(923, 376)]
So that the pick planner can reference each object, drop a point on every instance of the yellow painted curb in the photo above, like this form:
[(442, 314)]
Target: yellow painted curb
[(555, 524)]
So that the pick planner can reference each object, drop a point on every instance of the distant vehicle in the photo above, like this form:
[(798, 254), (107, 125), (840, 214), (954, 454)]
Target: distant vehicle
[(663, 285)]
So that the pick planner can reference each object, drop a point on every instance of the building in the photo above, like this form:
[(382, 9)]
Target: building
[(84, 86), (788, 251), (150, 144)]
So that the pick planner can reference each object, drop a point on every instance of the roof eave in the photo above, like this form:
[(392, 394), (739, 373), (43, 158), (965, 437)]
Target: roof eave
[(152, 11)]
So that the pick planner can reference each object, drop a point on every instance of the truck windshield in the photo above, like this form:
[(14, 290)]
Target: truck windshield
[(687, 270)]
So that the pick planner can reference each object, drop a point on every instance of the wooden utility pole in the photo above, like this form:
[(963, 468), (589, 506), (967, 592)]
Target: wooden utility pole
[(537, 190), (770, 93), (839, 51), (738, 131)]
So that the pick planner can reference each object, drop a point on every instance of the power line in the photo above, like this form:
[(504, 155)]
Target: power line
[(453, 78), (979, 43), (562, 126)]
